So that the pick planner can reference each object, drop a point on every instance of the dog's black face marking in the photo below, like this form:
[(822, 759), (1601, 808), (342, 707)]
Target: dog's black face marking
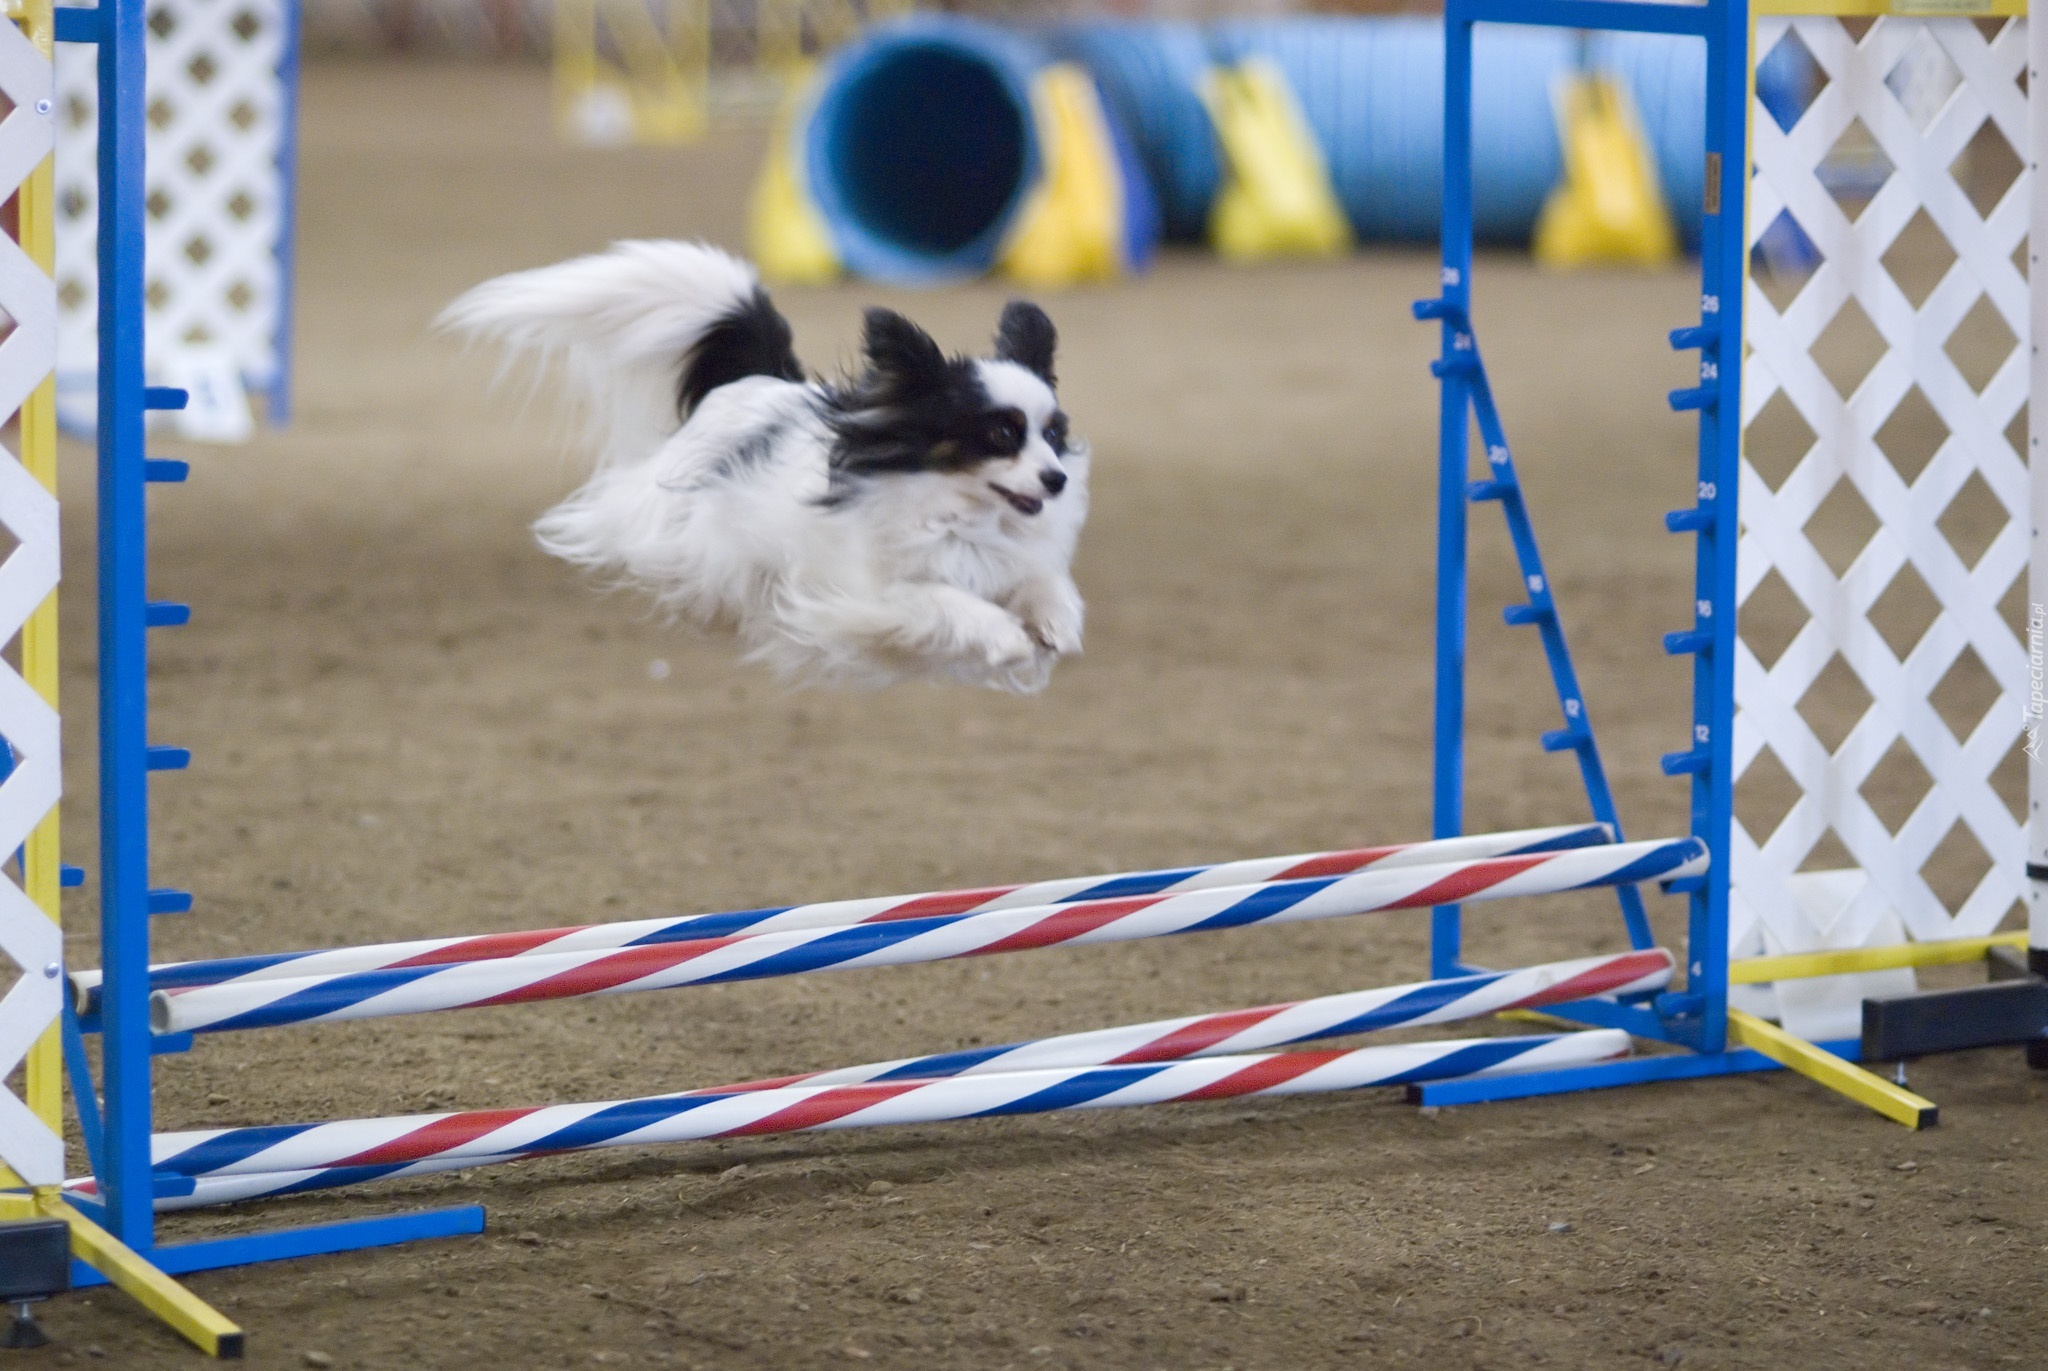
[(1026, 336), (1056, 432), (753, 340), (915, 409), (1003, 432)]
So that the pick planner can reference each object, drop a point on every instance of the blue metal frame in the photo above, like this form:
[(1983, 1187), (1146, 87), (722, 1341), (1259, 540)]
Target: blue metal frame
[(1502, 486), (1695, 1017), (1698, 1015), (312, 1240), (118, 1131), (1672, 1066), (277, 410)]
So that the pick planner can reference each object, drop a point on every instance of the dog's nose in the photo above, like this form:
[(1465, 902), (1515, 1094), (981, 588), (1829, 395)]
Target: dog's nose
[(1055, 480)]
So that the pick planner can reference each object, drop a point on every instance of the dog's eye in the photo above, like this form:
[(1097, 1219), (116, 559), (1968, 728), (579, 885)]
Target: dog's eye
[(1056, 433), (1006, 433)]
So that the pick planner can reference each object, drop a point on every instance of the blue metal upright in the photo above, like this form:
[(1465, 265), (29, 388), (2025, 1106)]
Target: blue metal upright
[(277, 409), (1697, 1015), (121, 1133), (1454, 307), (123, 652)]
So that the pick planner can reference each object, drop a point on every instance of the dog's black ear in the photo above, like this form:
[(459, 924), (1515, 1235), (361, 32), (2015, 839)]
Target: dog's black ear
[(1026, 336), (901, 351)]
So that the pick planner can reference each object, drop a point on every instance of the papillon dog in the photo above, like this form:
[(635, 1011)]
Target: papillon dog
[(917, 518)]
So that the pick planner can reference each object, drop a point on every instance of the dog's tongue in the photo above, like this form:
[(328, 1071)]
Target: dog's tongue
[(1023, 504)]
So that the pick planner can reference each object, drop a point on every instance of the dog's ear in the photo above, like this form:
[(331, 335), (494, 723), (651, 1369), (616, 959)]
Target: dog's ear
[(901, 351), (1026, 336)]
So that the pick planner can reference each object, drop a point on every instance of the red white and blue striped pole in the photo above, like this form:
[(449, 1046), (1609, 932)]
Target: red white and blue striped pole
[(838, 913), (519, 980), (1199, 1035), (1280, 1025), (240, 1163)]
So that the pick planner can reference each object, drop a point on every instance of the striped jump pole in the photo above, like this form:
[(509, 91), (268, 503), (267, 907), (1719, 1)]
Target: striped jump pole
[(838, 913), (1199, 1035), (1279, 1025), (527, 979), (241, 1163)]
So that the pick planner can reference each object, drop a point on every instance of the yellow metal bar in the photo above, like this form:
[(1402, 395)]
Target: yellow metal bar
[(205, 1327), (1911, 9), (1843, 1077), (192, 1318), (1537, 1016), (1800, 965)]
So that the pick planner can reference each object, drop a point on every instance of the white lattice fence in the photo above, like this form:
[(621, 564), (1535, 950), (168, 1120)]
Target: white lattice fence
[(1896, 523), (29, 936), (216, 197)]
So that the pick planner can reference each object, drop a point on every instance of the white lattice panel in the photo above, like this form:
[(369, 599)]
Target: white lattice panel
[(215, 192), (1909, 97), (28, 512)]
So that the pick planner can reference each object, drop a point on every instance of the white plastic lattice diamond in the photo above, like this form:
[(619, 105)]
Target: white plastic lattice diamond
[(215, 193), (1931, 95), (28, 574)]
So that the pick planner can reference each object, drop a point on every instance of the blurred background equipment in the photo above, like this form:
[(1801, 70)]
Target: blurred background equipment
[(917, 149), (221, 96), (958, 144), (650, 71), (1608, 207), (1277, 200)]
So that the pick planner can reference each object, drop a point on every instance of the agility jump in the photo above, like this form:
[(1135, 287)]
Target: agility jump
[(137, 1171)]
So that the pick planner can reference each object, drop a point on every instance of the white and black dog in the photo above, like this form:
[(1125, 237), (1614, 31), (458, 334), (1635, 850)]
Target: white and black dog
[(915, 519)]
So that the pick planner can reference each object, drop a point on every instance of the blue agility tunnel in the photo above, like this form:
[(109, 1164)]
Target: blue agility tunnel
[(926, 140), (921, 147)]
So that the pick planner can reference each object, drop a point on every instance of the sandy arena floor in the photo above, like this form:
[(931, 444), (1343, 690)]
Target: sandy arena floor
[(407, 721)]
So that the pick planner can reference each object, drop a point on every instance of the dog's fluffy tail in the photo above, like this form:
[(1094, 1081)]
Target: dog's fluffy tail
[(642, 333)]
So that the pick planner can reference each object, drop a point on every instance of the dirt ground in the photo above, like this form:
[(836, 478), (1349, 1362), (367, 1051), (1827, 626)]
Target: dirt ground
[(407, 721)]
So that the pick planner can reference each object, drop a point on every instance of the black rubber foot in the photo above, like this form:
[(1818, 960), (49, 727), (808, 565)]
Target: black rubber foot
[(24, 1333)]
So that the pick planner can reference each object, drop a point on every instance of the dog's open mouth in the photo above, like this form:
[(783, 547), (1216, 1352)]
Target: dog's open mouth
[(1023, 504)]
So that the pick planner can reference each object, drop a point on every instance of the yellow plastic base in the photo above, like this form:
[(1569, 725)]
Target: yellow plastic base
[(1070, 229), (786, 235), (1276, 199), (1609, 208)]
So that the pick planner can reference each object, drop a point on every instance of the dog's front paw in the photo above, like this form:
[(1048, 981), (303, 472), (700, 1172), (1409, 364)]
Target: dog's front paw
[(1053, 619), (1007, 644)]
